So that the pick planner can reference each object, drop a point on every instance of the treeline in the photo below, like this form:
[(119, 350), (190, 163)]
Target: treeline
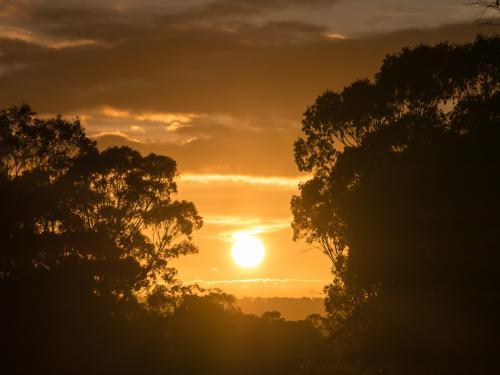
[(289, 307)]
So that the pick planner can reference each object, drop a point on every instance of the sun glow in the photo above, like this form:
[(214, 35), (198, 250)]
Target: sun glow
[(248, 251)]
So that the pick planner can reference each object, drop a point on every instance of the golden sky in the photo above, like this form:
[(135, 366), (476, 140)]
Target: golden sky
[(220, 86)]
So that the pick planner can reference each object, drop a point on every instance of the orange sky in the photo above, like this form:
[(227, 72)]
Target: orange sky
[(289, 269), (220, 86)]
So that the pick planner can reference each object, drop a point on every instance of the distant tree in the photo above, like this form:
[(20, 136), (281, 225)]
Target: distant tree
[(272, 315), (316, 320), (402, 202), (489, 4), (491, 8), (207, 337)]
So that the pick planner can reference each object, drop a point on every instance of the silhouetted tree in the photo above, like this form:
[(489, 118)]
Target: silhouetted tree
[(86, 239), (272, 315), (111, 211), (403, 202), (208, 335), (83, 234), (488, 4)]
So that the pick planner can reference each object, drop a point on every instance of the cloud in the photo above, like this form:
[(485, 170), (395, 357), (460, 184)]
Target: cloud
[(259, 6), (209, 148), (171, 121), (335, 36), (224, 10), (137, 129), (240, 221), (114, 112), (118, 133), (161, 117), (277, 67), (143, 126), (219, 97), (28, 36), (167, 118), (250, 225), (272, 181), (256, 281)]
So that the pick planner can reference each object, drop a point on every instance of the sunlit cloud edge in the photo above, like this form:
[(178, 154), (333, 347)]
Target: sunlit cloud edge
[(277, 181)]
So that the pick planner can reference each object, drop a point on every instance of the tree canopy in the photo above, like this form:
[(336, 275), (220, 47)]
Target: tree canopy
[(404, 202), (108, 216), (85, 235), (86, 282)]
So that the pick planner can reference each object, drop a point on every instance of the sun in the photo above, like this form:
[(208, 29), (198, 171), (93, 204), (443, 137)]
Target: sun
[(248, 251)]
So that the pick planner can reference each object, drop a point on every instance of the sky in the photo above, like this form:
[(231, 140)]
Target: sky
[(220, 86)]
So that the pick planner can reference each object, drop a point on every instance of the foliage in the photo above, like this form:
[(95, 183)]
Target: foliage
[(489, 4), (86, 240), (272, 315), (402, 201), (85, 235), (107, 216)]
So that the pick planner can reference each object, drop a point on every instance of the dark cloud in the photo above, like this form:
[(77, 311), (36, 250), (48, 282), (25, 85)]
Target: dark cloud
[(275, 68), (110, 21), (230, 8), (76, 59)]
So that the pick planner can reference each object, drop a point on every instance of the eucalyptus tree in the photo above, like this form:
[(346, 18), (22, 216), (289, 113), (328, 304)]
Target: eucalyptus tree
[(108, 220), (403, 201)]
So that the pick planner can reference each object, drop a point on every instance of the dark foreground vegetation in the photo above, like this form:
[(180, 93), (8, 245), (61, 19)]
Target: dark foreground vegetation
[(404, 202), (85, 282)]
